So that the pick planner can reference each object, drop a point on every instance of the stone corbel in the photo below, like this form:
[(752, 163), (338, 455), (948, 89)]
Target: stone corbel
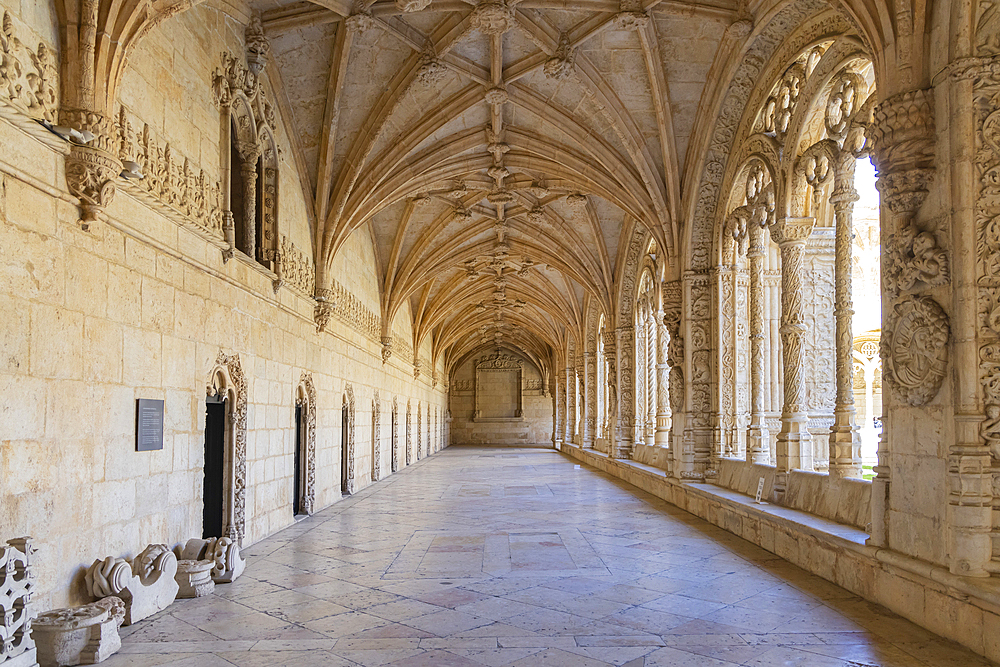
[(386, 349), (92, 168), (325, 304)]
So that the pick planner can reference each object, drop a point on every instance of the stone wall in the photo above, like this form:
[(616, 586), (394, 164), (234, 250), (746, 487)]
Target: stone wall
[(532, 428), (141, 306)]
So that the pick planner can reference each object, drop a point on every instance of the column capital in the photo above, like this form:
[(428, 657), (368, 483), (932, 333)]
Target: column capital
[(792, 231)]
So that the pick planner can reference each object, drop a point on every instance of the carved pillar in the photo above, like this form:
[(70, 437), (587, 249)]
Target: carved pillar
[(972, 458), (249, 155), (638, 431), (559, 431), (794, 440), (610, 361), (624, 438), (570, 402), (672, 295), (662, 435), (757, 435), (725, 309), (581, 392), (845, 442), (590, 410), (903, 138), (652, 341)]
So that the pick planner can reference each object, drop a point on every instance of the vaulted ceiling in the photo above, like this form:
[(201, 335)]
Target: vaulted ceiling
[(497, 152)]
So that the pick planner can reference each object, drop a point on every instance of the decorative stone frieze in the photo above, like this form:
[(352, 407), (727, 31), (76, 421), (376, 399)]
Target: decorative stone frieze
[(228, 564), (83, 635), (171, 182), (145, 583), (194, 578), (498, 362), (29, 79), (17, 649), (296, 267)]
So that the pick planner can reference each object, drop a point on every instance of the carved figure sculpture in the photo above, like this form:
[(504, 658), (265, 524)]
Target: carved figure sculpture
[(194, 578), (16, 646), (228, 565), (146, 583), (83, 635)]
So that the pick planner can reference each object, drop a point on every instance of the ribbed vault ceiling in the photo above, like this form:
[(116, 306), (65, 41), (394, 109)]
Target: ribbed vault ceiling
[(497, 152)]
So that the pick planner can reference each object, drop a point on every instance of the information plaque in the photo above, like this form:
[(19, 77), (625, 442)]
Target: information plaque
[(148, 424)]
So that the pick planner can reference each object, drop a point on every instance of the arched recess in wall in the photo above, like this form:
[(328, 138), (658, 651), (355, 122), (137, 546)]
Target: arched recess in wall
[(227, 381), (627, 285), (305, 398), (347, 458)]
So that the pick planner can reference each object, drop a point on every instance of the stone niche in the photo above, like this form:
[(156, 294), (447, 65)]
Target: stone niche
[(498, 398), (498, 388)]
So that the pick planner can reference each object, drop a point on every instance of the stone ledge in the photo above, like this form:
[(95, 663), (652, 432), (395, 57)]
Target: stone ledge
[(963, 609)]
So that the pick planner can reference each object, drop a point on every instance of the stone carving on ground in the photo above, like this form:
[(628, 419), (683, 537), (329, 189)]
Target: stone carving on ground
[(145, 583), (915, 348), (228, 564), (194, 578), (16, 583), (83, 635)]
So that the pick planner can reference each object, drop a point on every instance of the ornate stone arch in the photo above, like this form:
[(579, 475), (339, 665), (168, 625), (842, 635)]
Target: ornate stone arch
[(349, 401), (305, 397), (376, 437), (227, 381)]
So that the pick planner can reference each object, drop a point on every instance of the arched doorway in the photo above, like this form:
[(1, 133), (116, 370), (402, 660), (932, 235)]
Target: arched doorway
[(304, 473), (224, 491), (344, 425)]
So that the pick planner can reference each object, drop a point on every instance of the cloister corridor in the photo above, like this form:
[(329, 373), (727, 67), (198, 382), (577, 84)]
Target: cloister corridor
[(501, 556)]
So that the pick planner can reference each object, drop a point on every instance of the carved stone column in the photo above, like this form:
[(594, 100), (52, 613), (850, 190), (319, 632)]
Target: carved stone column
[(757, 435), (845, 442), (611, 363), (581, 390), (590, 409), (662, 436), (794, 440), (559, 398), (249, 155), (570, 402), (652, 341), (638, 431), (624, 438)]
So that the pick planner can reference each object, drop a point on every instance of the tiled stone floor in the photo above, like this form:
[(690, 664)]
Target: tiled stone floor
[(519, 557)]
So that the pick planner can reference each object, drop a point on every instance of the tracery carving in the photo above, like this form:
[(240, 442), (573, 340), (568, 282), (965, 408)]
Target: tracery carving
[(29, 80), (172, 183), (498, 362), (307, 399), (296, 267), (227, 380), (915, 349), (234, 78), (771, 39)]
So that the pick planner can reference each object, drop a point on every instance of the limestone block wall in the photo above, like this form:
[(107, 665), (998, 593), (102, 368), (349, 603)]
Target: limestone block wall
[(140, 307), (532, 428)]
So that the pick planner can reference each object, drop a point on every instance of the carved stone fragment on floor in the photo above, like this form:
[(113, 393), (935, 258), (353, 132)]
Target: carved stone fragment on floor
[(145, 583), (83, 635), (224, 554), (194, 578), (17, 649)]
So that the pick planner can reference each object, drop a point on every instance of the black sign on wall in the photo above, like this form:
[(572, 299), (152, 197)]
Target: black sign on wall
[(148, 424)]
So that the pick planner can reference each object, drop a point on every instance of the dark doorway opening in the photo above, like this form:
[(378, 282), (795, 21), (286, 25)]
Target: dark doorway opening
[(297, 484), (215, 467), (344, 489)]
